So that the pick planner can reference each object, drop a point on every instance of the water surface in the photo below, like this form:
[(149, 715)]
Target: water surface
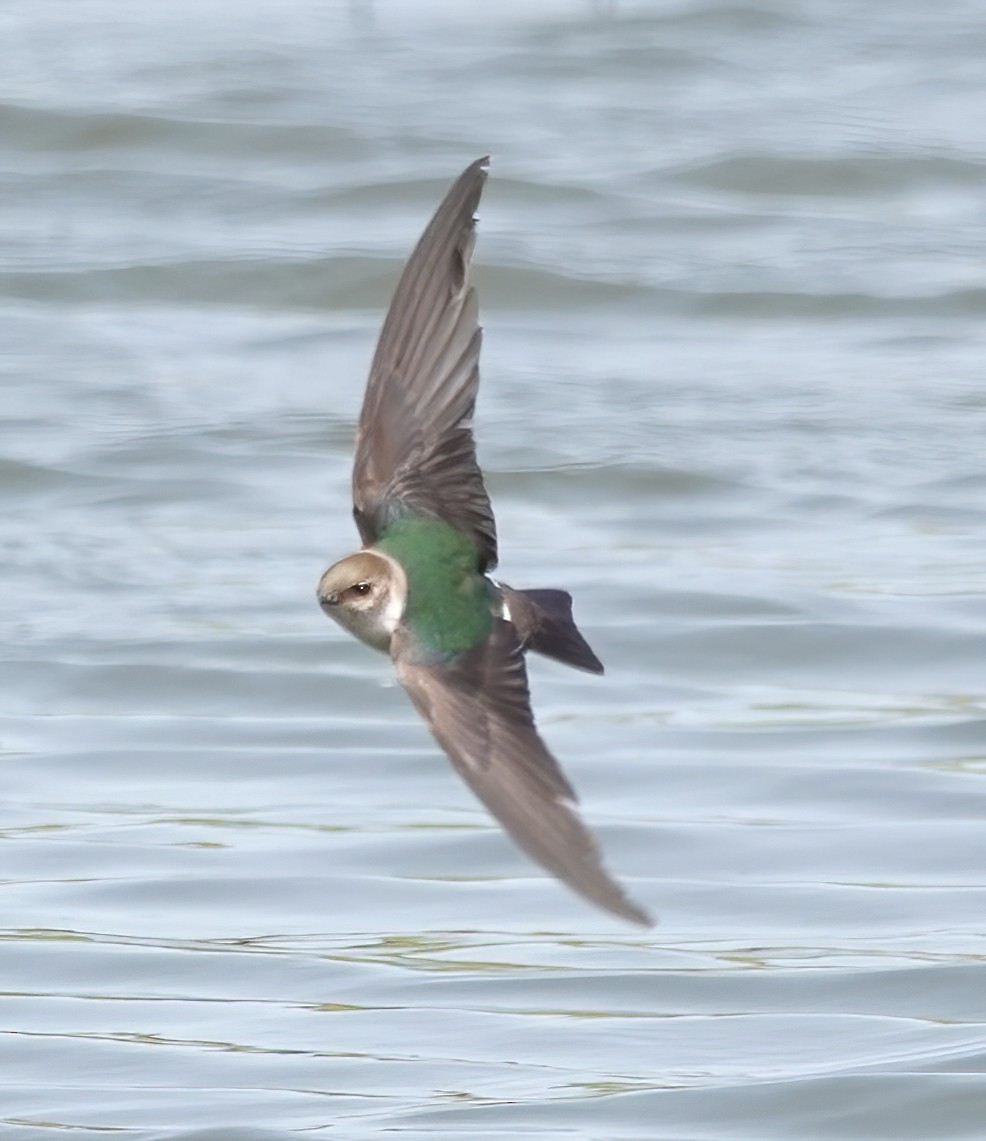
[(731, 272)]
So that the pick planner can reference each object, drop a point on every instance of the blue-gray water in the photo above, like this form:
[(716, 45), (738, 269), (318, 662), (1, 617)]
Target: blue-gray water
[(732, 264)]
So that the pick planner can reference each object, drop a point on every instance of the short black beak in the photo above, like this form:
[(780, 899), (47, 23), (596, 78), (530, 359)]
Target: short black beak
[(327, 600)]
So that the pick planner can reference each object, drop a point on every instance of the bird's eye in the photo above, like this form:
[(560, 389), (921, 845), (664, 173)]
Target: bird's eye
[(361, 588)]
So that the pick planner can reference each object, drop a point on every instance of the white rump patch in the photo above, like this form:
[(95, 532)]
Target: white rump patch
[(504, 608)]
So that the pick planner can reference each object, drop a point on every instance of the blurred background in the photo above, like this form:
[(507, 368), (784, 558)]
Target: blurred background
[(732, 275)]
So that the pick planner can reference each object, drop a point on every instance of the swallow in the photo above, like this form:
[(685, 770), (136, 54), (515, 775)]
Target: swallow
[(420, 589)]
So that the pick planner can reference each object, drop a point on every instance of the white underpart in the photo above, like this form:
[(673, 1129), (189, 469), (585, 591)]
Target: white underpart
[(396, 603)]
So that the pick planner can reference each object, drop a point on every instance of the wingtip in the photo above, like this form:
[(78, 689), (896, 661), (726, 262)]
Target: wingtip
[(615, 900), (636, 914), (479, 166), (609, 894)]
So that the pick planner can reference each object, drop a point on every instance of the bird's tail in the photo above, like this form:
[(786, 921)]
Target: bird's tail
[(543, 619)]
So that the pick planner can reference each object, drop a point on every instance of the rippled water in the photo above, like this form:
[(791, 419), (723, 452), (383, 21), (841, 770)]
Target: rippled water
[(731, 265)]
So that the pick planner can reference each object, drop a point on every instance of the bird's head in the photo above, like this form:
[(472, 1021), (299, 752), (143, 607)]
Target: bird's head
[(365, 593)]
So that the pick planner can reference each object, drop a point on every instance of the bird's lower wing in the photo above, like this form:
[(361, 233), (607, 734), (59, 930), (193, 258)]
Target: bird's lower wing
[(478, 709)]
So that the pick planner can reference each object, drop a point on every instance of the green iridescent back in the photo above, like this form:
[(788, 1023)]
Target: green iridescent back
[(449, 603)]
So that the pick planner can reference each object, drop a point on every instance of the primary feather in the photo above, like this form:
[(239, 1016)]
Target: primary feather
[(414, 447)]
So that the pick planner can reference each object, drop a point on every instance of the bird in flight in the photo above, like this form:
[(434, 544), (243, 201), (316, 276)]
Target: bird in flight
[(420, 588)]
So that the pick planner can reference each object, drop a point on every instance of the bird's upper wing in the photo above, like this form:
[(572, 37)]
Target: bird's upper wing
[(479, 711), (414, 447)]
